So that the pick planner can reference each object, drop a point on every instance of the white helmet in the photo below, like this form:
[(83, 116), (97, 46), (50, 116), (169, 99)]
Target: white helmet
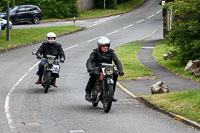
[(51, 34), (103, 41)]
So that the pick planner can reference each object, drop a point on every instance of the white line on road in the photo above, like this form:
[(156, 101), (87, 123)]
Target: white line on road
[(148, 35), (150, 16), (103, 20), (139, 21), (93, 39), (8, 97), (158, 12), (128, 26), (113, 32)]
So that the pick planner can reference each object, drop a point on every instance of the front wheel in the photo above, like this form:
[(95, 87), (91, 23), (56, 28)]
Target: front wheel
[(107, 98), (47, 81)]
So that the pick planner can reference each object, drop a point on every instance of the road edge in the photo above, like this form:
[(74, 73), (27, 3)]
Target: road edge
[(154, 107)]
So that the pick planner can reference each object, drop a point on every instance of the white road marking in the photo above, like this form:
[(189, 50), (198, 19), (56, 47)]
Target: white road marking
[(150, 16), (93, 39), (139, 21), (103, 20), (8, 97), (148, 35), (128, 26), (113, 32), (158, 12)]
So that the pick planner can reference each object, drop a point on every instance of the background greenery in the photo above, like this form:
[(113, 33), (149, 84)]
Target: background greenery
[(59, 8), (184, 37)]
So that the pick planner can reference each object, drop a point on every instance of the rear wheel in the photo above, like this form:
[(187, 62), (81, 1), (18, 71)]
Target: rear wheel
[(36, 20), (107, 99), (47, 81)]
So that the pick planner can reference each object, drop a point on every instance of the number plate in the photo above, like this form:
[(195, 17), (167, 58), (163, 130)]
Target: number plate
[(55, 69)]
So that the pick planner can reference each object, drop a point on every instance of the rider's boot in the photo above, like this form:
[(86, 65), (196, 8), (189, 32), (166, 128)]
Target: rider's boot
[(38, 81), (88, 96), (53, 83), (114, 99)]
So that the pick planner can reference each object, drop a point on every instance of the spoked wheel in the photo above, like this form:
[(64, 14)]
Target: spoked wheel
[(47, 82), (107, 100)]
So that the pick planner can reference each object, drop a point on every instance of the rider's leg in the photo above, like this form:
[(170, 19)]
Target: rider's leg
[(90, 85), (40, 71), (115, 76)]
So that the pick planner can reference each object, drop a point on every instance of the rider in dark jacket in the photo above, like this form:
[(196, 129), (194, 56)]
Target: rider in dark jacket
[(51, 47), (102, 54)]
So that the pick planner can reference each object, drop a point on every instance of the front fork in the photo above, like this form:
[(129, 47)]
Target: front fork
[(105, 83)]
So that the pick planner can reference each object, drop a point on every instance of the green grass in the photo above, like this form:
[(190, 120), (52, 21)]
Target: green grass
[(184, 103), (121, 8), (171, 65), (21, 37), (128, 55)]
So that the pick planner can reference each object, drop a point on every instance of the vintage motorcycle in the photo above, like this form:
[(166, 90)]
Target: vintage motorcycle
[(51, 67), (103, 89)]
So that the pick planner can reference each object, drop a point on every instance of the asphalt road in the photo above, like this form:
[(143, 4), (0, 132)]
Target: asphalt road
[(26, 109)]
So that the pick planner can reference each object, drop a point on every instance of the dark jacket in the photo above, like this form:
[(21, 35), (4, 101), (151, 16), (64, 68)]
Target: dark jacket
[(97, 57), (51, 49)]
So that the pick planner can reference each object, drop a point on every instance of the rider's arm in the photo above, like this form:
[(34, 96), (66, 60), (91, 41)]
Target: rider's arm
[(40, 51), (117, 61), (61, 53), (90, 61)]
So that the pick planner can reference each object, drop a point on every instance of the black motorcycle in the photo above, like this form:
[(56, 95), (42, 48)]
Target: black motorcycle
[(103, 89), (51, 67)]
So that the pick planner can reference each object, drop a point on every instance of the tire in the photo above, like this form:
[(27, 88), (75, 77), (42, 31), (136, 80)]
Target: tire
[(5, 27), (107, 100), (47, 81), (36, 20)]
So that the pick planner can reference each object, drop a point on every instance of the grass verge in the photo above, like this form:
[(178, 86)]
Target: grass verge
[(20, 37), (128, 55), (184, 103), (171, 65)]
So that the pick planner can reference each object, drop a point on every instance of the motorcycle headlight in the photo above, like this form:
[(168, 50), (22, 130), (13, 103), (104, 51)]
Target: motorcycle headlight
[(51, 61), (109, 70)]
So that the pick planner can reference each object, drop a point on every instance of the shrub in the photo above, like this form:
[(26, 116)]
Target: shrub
[(110, 4), (184, 36)]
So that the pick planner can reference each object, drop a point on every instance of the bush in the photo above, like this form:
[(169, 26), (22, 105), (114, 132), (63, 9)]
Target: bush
[(110, 4), (50, 8), (184, 36)]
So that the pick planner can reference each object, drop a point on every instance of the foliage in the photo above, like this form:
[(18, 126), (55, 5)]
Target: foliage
[(184, 36), (171, 65), (110, 4), (50, 8)]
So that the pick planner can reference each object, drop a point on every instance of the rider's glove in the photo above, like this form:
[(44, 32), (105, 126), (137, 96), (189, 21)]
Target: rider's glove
[(62, 60), (39, 56), (90, 70), (121, 73)]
